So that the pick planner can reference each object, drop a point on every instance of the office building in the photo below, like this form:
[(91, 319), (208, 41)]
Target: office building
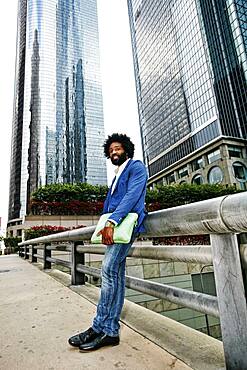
[(191, 73), (58, 128)]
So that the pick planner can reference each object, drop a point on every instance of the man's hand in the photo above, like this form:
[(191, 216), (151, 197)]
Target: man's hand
[(107, 233)]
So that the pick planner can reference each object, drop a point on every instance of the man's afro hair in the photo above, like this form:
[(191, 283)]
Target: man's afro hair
[(127, 144)]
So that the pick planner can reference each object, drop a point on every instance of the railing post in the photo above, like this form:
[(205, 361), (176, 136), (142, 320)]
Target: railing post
[(26, 251), (20, 251), (77, 278), (34, 251), (243, 241), (231, 299), (47, 253)]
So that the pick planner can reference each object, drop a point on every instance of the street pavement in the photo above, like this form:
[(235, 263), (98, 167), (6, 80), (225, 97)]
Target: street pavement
[(37, 316)]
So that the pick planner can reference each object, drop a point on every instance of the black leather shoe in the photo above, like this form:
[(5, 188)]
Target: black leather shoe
[(84, 337), (102, 340)]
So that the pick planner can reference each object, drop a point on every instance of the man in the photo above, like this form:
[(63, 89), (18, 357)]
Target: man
[(126, 194)]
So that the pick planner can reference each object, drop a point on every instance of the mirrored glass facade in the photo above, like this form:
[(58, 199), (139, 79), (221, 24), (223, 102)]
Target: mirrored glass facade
[(190, 70), (58, 128)]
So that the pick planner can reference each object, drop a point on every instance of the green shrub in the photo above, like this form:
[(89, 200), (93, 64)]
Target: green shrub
[(86, 199), (38, 231), (68, 199), (168, 196), (67, 192), (11, 244)]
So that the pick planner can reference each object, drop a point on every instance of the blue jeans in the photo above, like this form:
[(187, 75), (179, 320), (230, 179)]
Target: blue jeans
[(112, 289)]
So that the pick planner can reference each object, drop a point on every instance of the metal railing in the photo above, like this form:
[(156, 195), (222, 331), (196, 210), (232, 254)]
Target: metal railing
[(223, 218)]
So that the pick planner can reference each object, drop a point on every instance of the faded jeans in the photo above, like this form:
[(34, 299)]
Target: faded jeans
[(112, 289)]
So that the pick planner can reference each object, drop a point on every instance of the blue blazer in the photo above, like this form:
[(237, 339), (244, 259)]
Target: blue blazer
[(129, 194)]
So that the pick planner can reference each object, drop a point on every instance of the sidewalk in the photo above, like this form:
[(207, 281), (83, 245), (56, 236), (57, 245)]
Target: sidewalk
[(38, 314)]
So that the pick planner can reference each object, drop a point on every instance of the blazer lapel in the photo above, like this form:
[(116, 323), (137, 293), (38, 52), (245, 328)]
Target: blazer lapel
[(112, 183), (107, 200)]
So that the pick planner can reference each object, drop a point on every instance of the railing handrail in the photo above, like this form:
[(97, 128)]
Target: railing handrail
[(177, 253), (83, 233), (227, 214)]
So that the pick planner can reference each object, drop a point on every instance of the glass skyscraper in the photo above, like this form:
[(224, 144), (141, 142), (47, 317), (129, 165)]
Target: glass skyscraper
[(58, 128), (191, 72)]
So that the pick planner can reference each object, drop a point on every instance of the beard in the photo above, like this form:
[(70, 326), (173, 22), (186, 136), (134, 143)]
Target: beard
[(119, 160)]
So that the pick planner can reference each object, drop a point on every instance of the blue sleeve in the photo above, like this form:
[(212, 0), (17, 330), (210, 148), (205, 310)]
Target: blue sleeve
[(136, 186)]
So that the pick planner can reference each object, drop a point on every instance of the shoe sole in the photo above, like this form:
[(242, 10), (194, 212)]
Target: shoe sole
[(74, 345), (94, 349)]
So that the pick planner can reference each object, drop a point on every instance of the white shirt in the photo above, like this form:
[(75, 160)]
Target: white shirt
[(118, 172)]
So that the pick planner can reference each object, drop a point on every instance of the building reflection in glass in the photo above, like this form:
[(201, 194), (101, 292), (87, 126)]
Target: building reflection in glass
[(58, 128), (191, 73)]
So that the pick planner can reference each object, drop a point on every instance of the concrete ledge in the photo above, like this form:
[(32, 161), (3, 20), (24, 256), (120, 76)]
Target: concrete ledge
[(194, 348)]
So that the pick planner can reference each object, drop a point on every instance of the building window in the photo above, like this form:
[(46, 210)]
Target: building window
[(215, 175), (160, 182), (197, 164), (197, 179), (19, 232), (214, 156), (235, 151), (183, 172), (239, 171), (170, 178)]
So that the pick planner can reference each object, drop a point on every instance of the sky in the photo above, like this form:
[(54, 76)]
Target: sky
[(118, 86)]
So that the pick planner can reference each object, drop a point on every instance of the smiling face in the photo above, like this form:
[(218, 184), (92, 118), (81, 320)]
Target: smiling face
[(117, 154)]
